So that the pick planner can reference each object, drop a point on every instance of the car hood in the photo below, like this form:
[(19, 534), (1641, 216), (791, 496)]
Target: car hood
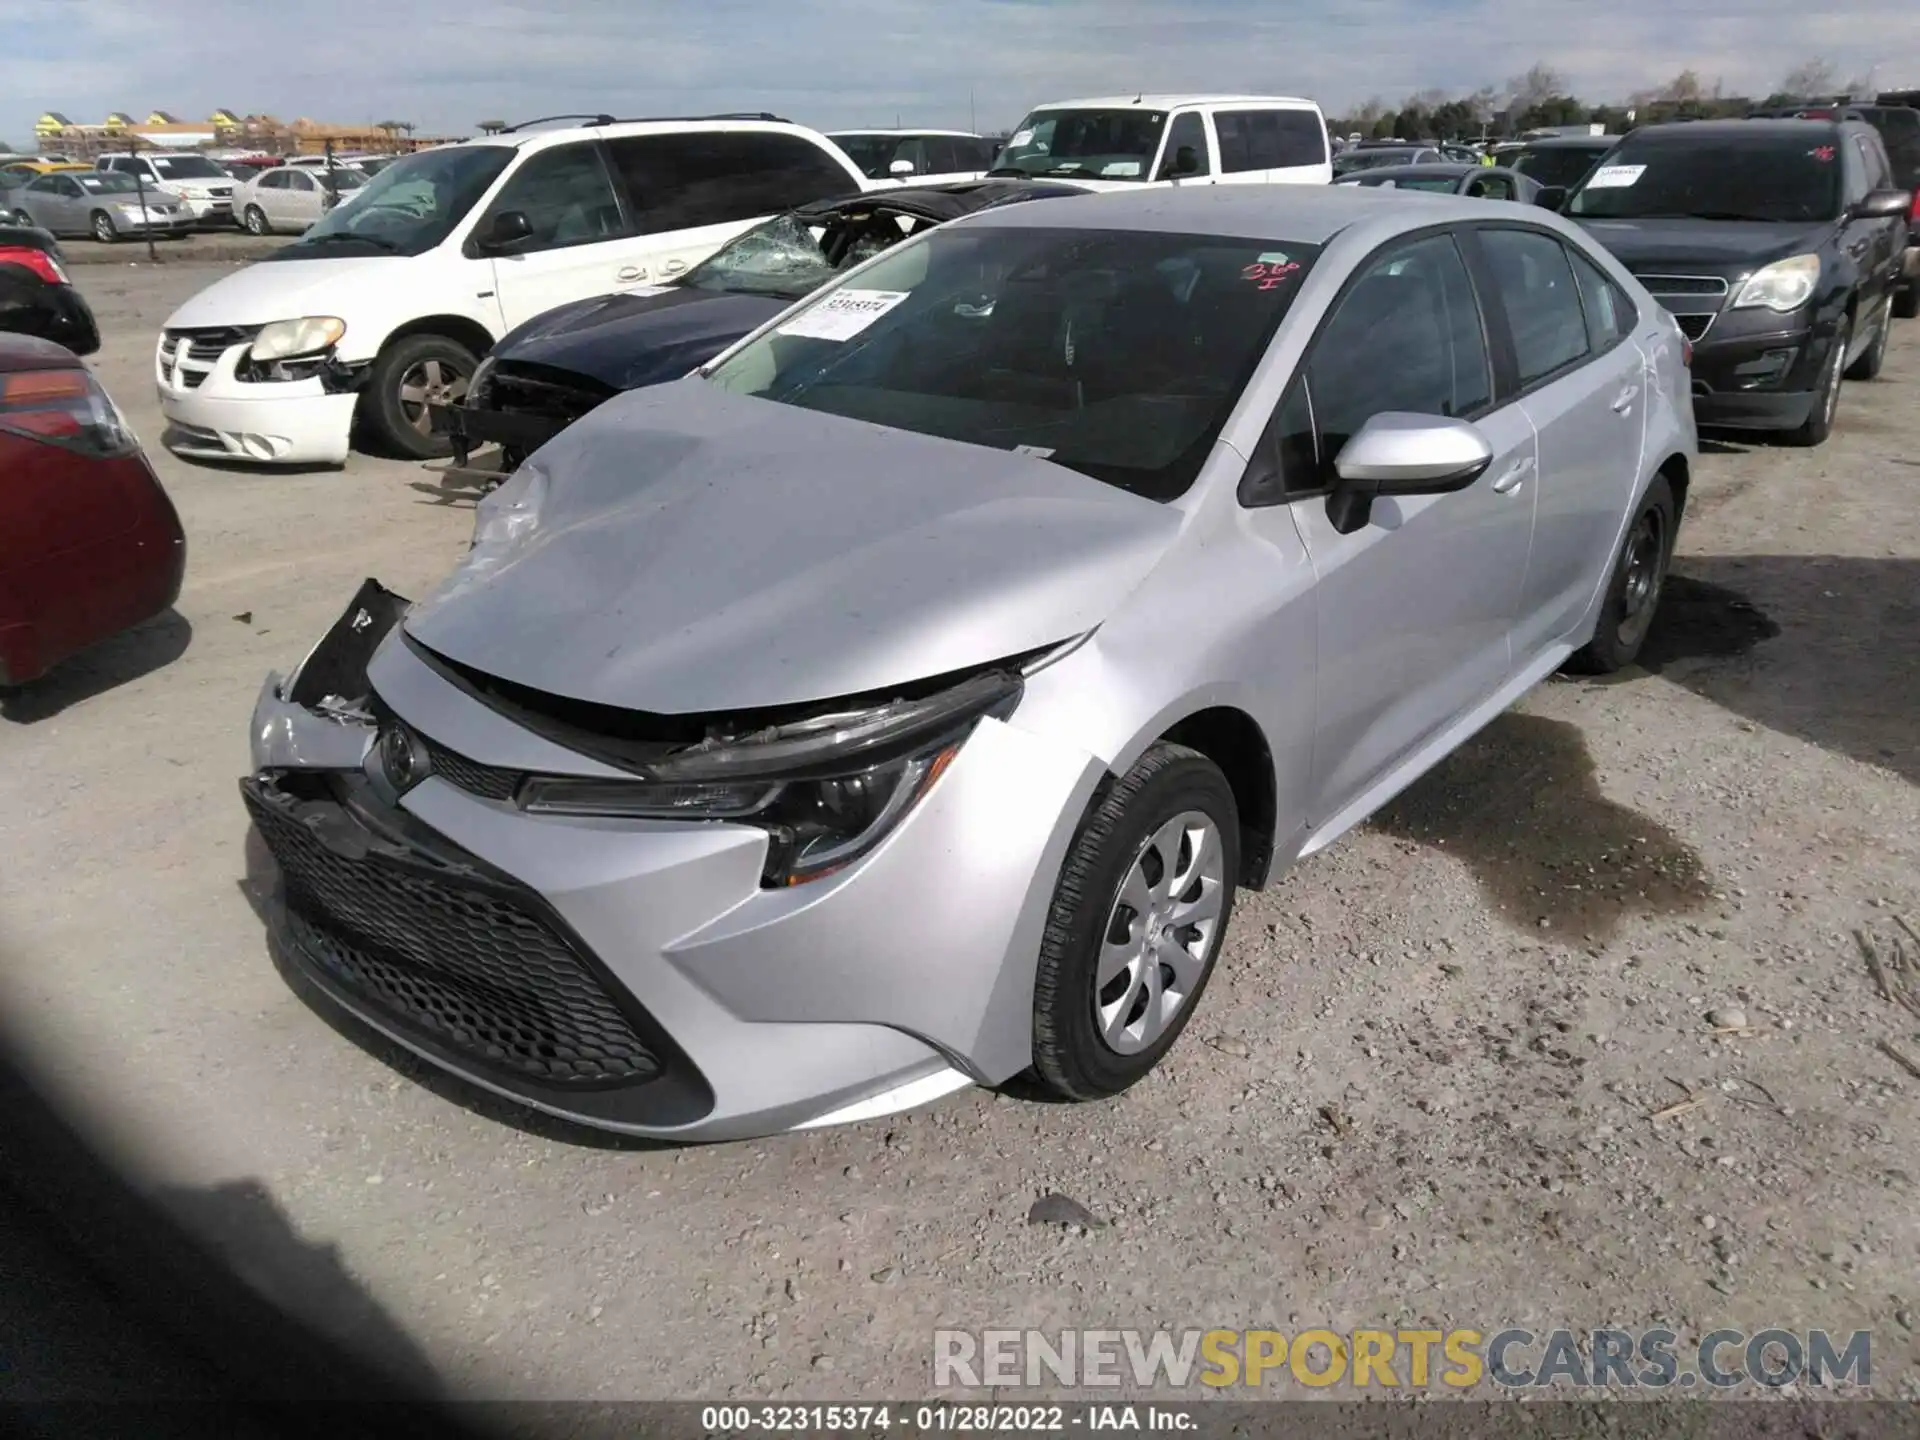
[(286, 290), (1657, 247), (631, 340), (686, 550)]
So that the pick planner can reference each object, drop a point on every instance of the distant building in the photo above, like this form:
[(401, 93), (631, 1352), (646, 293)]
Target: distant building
[(55, 134)]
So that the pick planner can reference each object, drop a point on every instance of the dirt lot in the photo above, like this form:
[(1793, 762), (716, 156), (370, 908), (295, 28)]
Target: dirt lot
[(1420, 1088)]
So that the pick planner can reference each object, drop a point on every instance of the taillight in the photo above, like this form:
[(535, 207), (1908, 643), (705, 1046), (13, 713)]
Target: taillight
[(65, 408), (1913, 210), (38, 261)]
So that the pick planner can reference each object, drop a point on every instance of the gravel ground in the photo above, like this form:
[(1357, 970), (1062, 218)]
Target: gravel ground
[(1419, 1089)]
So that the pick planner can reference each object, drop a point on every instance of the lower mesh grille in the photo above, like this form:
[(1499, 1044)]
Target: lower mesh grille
[(473, 968)]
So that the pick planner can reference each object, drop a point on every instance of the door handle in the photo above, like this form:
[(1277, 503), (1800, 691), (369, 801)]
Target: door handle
[(632, 272), (1623, 402), (1514, 477), (674, 267)]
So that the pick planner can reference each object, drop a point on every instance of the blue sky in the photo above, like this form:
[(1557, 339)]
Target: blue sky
[(446, 64)]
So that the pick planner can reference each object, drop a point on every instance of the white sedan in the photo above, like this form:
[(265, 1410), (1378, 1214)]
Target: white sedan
[(291, 198)]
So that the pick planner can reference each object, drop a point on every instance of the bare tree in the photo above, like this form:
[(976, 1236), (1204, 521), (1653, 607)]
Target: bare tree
[(1540, 84), (1485, 101), (1810, 79), (1683, 89)]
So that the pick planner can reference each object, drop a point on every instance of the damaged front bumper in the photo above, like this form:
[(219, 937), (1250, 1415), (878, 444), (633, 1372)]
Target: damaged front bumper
[(636, 975)]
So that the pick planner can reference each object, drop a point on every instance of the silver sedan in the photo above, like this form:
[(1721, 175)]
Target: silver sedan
[(899, 702), (105, 206)]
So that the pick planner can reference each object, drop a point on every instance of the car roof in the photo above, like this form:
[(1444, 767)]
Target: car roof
[(1302, 214), (29, 352), (1708, 130), (1574, 142), (957, 134), (1170, 102)]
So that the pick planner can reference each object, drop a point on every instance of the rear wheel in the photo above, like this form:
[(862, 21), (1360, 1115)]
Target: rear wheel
[(409, 376), (103, 228), (1138, 915), (1633, 592), (1826, 400), (1867, 367), (255, 220), (1906, 304)]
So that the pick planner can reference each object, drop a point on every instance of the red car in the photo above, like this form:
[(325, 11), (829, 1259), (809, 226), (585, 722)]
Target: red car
[(89, 543)]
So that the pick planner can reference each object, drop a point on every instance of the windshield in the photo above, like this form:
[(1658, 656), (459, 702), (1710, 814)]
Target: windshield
[(1090, 144), (186, 167), (411, 205), (1119, 354), (1719, 177), (872, 154), (113, 183), (1556, 165), (341, 178), (1372, 159)]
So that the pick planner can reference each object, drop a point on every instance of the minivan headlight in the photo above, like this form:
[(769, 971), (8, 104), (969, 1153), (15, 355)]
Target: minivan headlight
[(1784, 285), (285, 339), (826, 789)]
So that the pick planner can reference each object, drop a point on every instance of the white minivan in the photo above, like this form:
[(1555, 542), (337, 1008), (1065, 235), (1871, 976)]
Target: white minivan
[(384, 307), (1124, 141)]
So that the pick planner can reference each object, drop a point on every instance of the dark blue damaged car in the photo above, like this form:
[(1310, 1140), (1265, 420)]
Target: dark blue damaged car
[(547, 373)]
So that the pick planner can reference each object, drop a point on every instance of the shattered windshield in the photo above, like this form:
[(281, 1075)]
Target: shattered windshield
[(782, 258)]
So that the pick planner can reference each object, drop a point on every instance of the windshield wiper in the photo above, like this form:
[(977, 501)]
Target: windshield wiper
[(340, 237)]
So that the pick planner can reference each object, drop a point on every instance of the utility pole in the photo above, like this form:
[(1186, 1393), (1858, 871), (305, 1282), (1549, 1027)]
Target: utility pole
[(134, 142), (973, 115)]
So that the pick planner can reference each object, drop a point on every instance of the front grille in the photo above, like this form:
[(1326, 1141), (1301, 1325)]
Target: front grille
[(487, 781), (1694, 326), (467, 964), (1684, 284), (551, 395), (208, 345)]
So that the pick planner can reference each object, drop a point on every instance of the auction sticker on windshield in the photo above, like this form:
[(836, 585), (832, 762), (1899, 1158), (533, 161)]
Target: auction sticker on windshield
[(843, 314), (1615, 177)]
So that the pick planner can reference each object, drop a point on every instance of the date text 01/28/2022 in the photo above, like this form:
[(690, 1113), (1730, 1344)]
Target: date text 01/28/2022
[(941, 1419)]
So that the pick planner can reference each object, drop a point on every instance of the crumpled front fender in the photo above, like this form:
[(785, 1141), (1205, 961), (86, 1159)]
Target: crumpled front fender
[(290, 736)]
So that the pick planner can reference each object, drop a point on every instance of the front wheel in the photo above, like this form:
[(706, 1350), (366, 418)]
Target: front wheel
[(255, 220), (1137, 920), (1826, 401), (410, 376), (103, 228), (1633, 591), (1867, 367), (1906, 304)]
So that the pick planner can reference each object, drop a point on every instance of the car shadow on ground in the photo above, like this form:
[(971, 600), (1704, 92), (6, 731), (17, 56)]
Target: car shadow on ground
[(261, 887), (1824, 648), (450, 492), (186, 1297), (127, 656)]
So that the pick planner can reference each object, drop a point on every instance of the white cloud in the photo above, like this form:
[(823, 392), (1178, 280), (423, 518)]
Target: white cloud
[(445, 64)]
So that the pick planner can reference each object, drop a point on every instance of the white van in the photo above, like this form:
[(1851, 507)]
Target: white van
[(916, 157), (1123, 141), (190, 177), (385, 306)]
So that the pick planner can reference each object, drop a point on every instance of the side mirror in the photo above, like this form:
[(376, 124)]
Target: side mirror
[(1881, 205), (1551, 197), (1396, 453), (900, 167), (509, 228)]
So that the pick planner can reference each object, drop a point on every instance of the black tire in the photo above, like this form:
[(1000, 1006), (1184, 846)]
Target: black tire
[(398, 420), (1826, 400), (103, 228), (1070, 1056), (1906, 301), (255, 221), (1867, 367), (1634, 589)]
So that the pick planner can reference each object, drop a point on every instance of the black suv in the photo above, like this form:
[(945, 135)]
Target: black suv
[(1563, 160), (1777, 245)]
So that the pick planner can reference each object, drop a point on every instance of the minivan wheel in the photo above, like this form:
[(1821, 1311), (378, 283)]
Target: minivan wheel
[(1138, 914), (103, 228), (1867, 367), (1906, 303), (256, 220), (1826, 401), (410, 375), (1633, 592)]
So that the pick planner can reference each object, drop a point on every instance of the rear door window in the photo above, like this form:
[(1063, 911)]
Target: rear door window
[(680, 182), (1610, 314), (1544, 314)]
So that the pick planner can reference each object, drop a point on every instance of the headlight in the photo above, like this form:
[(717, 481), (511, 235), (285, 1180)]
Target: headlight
[(285, 338), (1784, 285), (826, 789)]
